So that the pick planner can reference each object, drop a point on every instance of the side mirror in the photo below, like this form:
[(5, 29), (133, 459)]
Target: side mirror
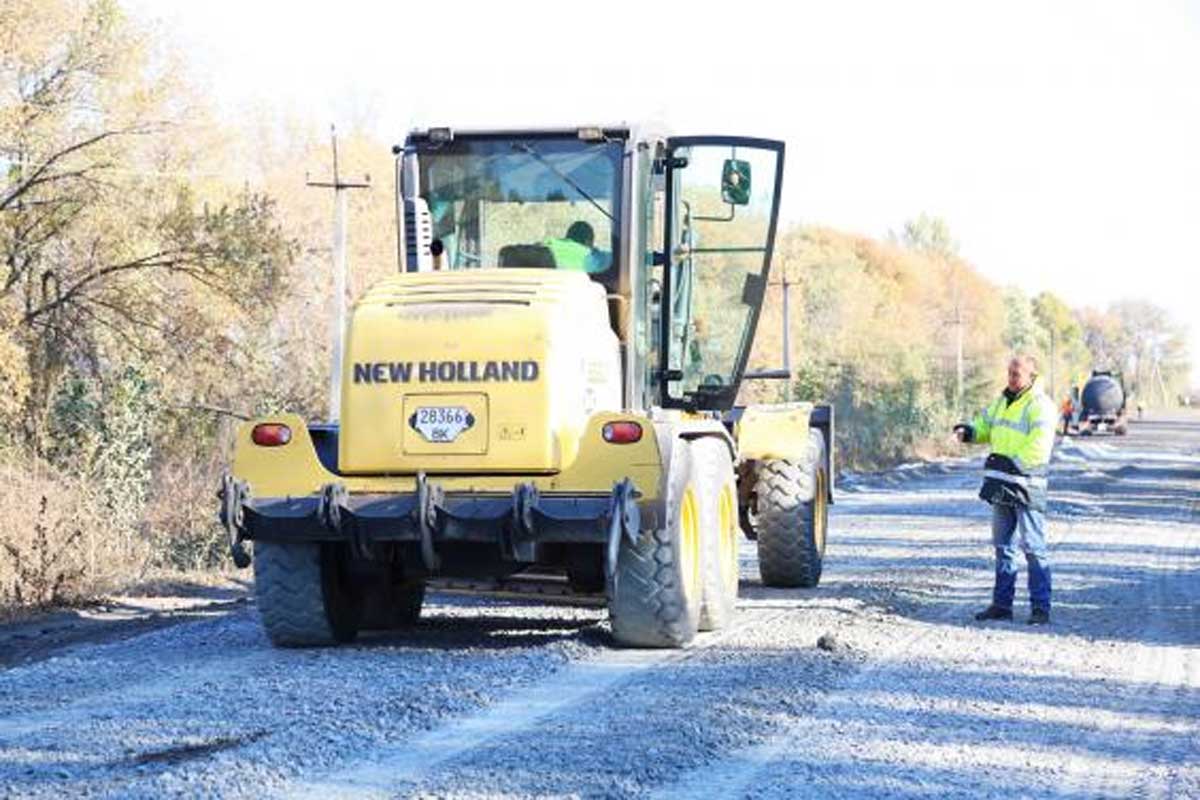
[(735, 182)]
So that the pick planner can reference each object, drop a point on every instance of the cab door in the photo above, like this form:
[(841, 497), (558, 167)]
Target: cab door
[(722, 206)]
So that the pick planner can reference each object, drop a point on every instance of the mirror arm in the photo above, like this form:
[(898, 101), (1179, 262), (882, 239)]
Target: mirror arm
[(732, 214), (684, 251), (768, 375)]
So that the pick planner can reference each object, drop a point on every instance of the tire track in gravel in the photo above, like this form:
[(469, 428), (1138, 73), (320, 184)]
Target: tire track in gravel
[(734, 774), (1158, 670), (1191, 682), (379, 773), (1156, 680), (1171, 670)]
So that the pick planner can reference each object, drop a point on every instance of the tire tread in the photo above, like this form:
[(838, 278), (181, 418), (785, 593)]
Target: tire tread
[(649, 607), (788, 555), (288, 592)]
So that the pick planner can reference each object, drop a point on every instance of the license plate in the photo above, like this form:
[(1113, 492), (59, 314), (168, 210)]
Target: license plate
[(441, 423)]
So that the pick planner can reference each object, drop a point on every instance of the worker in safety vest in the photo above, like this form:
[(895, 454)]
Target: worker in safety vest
[(1067, 409), (1019, 425), (576, 251)]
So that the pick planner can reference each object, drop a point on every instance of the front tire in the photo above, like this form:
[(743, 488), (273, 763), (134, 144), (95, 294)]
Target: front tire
[(719, 528), (656, 593), (791, 499)]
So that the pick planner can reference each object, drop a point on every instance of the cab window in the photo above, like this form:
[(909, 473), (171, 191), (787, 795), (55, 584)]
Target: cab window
[(542, 202)]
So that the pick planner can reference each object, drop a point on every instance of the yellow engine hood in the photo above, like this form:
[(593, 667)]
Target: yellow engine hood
[(475, 371)]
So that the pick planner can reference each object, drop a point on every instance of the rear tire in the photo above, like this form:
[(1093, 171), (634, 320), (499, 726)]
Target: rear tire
[(719, 529), (303, 596), (792, 517), (390, 604), (585, 569), (655, 600)]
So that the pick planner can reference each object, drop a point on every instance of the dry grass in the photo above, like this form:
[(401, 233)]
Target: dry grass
[(181, 516), (61, 545), (58, 545)]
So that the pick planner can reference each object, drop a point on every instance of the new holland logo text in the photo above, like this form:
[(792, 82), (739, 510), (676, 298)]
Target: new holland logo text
[(444, 371)]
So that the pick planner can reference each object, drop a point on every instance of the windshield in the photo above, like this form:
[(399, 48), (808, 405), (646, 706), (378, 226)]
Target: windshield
[(524, 202)]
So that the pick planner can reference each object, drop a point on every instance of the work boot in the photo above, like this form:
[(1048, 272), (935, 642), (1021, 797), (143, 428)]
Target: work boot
[(1039, 616), (994, 612)]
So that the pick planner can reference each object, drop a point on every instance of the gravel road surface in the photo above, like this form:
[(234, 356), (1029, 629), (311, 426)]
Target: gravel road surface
[(906, 696)]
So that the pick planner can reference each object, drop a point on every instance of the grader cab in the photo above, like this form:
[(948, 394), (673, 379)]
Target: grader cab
[(547, 386)]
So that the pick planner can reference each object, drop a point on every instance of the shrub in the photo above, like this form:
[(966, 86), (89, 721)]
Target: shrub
[(58, 544)]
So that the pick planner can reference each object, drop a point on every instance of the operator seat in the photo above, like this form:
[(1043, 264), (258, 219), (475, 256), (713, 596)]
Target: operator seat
[(538, 256), (535, 256)]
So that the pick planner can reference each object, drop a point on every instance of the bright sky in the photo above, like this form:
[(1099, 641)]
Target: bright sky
[(1061, 141)]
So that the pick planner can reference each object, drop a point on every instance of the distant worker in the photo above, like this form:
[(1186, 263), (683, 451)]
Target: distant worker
[(577, 251), (1019, 424), (1068, 411)]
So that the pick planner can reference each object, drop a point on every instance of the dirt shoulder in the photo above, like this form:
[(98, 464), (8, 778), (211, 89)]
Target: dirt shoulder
[(33, 635)]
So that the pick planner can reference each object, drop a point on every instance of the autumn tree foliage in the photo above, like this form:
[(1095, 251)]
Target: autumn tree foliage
[(121, 273), (876, 328)]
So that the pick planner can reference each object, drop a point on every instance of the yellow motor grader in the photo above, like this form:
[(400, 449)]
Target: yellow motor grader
[(546, 386)]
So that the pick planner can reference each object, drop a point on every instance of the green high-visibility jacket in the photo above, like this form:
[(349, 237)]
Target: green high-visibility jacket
[(570, 254), (1023, 430)]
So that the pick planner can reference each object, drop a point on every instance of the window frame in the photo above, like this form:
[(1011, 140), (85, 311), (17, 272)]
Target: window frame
[(426, 148), (722, 398)]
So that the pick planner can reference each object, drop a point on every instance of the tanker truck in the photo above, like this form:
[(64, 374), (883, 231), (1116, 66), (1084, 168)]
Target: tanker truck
[(1102, 404)]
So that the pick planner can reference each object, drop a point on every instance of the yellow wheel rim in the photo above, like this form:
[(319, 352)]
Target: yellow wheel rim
[(728, 545), (819, 509), (689, 543)]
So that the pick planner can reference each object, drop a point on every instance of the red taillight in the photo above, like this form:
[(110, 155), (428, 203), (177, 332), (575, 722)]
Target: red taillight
[(622, 432), (271, 434)]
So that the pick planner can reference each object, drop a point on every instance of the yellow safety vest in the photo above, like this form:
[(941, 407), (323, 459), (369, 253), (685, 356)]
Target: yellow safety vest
[(1023, 430)]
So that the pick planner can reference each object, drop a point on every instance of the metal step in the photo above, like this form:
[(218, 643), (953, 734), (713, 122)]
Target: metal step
[(523, 586)]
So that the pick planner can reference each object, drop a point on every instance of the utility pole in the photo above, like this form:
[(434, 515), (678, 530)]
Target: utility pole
[(958, 359), (787, 325), (338, 332), (1162, 384)]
